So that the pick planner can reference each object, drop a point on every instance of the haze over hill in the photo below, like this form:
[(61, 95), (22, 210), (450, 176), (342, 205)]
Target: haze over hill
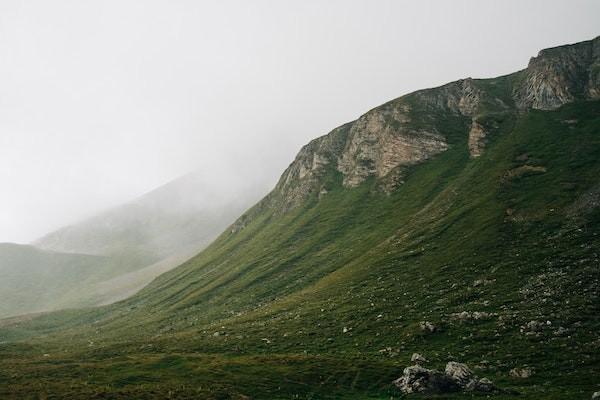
[(114, 254), (458, 224)]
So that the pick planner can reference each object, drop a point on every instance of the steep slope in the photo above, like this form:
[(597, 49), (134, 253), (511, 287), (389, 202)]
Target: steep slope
[(114, 254), (460, 222)]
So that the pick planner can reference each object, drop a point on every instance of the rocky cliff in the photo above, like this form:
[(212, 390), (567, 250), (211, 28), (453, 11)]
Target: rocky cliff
[(561, 75), (387, 140)]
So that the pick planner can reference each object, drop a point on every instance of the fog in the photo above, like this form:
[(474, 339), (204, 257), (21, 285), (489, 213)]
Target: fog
[(101, 101)]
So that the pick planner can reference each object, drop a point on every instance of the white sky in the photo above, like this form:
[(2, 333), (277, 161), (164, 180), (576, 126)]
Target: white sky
[(101, 101)]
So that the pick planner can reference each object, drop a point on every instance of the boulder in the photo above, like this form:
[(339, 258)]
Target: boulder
[(427, 326), (521, 372), (418, 358), (480, 385), (459, 372), (416, 379), (596, 396), (456, 377)]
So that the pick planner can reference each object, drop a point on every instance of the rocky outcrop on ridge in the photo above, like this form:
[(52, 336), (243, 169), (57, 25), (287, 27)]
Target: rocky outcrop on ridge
[(384, 142), (561, 75)]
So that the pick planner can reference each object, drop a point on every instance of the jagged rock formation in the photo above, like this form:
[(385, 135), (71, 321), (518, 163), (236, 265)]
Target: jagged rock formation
[(382, 140), (560, 75)]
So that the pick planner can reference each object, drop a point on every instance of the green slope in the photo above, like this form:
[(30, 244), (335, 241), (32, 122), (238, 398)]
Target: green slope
[(114, 254), (34, 280), (321, 293)]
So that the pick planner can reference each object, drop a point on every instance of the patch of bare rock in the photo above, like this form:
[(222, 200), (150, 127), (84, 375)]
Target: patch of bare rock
[(455, 378)]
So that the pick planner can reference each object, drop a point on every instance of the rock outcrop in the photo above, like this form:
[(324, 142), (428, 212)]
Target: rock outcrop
[(476, 138), (456, 377), (385, 142), (561, 75), (382, 140)]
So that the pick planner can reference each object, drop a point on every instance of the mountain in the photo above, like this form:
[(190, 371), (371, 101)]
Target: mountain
[(114, 254), (185, 213), (460, 222)]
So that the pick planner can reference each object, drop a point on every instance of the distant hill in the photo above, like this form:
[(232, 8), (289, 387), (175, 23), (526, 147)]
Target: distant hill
[(112, 255), (35, 280)]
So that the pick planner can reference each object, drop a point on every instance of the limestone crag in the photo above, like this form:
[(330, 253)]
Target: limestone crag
[(304, 175), (462, 97), (381, 141), (561, 75)]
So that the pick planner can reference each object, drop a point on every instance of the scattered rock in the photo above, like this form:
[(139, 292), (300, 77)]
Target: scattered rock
[(416, 379), (481, 385), (418, 358), (522, 373), (561, 331), (533, 327), (475, 315), (456, 377), (483, 282), (427, 326), (459, 372)]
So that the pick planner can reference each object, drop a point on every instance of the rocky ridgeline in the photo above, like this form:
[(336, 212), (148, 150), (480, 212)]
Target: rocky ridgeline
[(387, 140), (561, 75)]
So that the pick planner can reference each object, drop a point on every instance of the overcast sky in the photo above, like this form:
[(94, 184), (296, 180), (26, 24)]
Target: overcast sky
[(101, 101)]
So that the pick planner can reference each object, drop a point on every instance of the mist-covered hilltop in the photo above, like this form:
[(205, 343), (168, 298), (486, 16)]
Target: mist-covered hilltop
[(115, 253)]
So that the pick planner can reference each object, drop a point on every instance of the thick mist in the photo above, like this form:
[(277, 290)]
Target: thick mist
[(102, 101)]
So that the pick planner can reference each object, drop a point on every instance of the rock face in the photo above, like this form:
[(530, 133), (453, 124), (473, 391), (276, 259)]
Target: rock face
[(382, 140), (305, 174), (456, 377), (560, 75), (476, 138)]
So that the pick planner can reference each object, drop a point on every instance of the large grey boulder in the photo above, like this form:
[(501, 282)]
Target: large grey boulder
[(459, 372), (416, 379), (456, 377)]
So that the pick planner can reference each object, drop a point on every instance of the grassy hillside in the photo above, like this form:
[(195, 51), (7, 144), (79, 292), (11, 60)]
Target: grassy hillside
[(326, 301), (114, 254), (35, 280)]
